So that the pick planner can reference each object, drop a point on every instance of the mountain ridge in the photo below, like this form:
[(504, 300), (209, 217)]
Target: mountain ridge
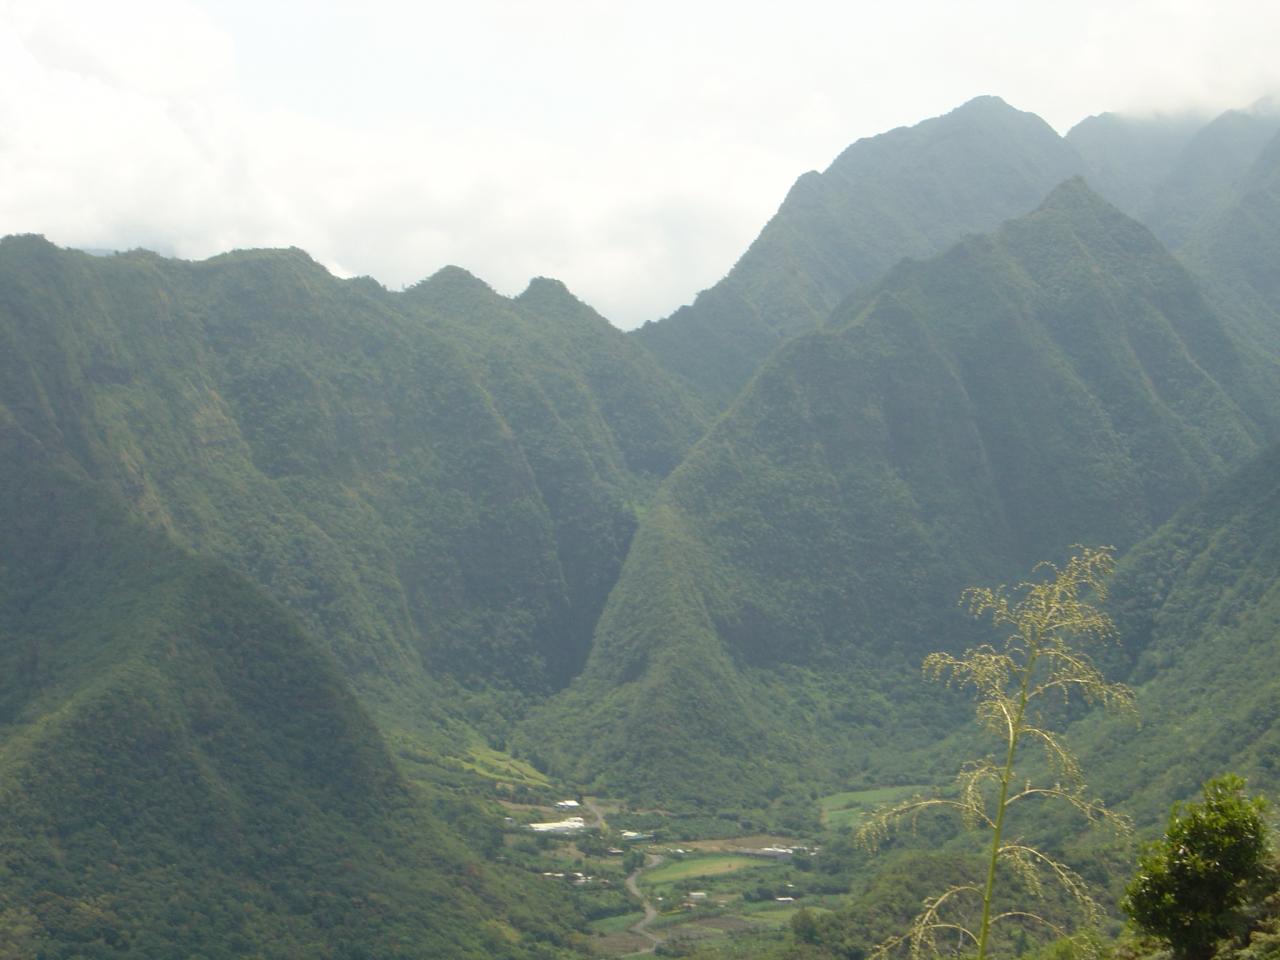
[(910, 191), (976, 412)]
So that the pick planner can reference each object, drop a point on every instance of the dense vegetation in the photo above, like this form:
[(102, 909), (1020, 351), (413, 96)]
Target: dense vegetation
[(1199, 605), (1174, 173), (909, 192), (438, 485), (441, 481), (1060, 380), (184, 772), (290, 566)]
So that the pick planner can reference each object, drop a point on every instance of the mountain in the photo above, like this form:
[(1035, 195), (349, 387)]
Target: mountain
[(1127, 158), (256, 521), (1209, 191), (1060, 381), (1236, 252), (1173, 173), (183, 772), (439, 483), (1198, 606), (910, 192)]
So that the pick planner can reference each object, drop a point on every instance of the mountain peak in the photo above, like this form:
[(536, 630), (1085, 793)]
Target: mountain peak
[(450, 273), (450, 281), (1072, 192), (547, 288), (986, 103)]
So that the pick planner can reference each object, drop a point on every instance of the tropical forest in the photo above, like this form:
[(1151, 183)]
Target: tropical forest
[(913, 591)]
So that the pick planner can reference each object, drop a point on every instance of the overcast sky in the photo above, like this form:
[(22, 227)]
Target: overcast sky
[(631, 149)]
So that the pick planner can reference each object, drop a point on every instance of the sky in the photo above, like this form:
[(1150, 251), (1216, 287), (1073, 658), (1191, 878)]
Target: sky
[(631, 149)]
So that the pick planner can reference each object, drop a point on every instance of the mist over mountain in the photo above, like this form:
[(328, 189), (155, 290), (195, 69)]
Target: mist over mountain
[(1234, 251), (1177, 174), (909, 192), (314, 594)]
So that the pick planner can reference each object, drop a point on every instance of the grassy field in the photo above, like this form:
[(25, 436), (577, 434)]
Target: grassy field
[(713, 866), (501, 766), (841, 810), (618, 924)]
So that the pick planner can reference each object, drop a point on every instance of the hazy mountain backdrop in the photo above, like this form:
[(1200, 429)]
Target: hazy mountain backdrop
[(300, 578)]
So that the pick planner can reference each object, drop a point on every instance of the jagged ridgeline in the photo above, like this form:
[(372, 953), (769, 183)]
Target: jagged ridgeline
[(1210, 191), (183, 772), (1060, 381), (441, 482), (1199, 606), (910, 192), (1235, 251), (1174, 173)]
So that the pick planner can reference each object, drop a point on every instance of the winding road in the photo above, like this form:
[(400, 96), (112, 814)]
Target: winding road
[(650, 912), (651, 860)]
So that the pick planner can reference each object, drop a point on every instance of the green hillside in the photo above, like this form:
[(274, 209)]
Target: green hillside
[(439, 483), (1209, 190), (293, 568), (1199, 606), (1173, 173), (247, 506), (184, 773), (1060, 381), (1128, 158), (1236, 252), (909, 192)]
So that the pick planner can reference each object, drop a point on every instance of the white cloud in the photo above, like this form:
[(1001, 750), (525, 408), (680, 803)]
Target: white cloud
[(632, 150)]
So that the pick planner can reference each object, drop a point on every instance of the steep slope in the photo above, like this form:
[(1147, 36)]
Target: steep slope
[(1127, 158), (1061, 381), (1208, 170), (1173, 173), (1236, 252), (184, 773), (909, 192), (1198, 604), (438, 483)]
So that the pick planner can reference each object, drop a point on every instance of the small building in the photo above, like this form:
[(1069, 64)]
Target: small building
[(571, 825), (568, 805)]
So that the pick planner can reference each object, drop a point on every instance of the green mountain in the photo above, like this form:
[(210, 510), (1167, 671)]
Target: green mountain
[(257, 522), (1198, 607), (234, 492), (910, 192), (1060, 381), (1128, 158), (440, 483), (1210, 192), (1236, 252), (183, 772), (1168, 175)]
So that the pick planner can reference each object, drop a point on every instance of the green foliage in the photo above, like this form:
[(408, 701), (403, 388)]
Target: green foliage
[(1198, 605), (439, 487), (907, 193), (438, 483), (184, 772), (229, 489), (973, 413), (1040, 659), (1191, 883)]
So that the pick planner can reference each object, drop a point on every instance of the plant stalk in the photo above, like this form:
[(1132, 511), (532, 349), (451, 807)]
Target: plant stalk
[(1015, 728)]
